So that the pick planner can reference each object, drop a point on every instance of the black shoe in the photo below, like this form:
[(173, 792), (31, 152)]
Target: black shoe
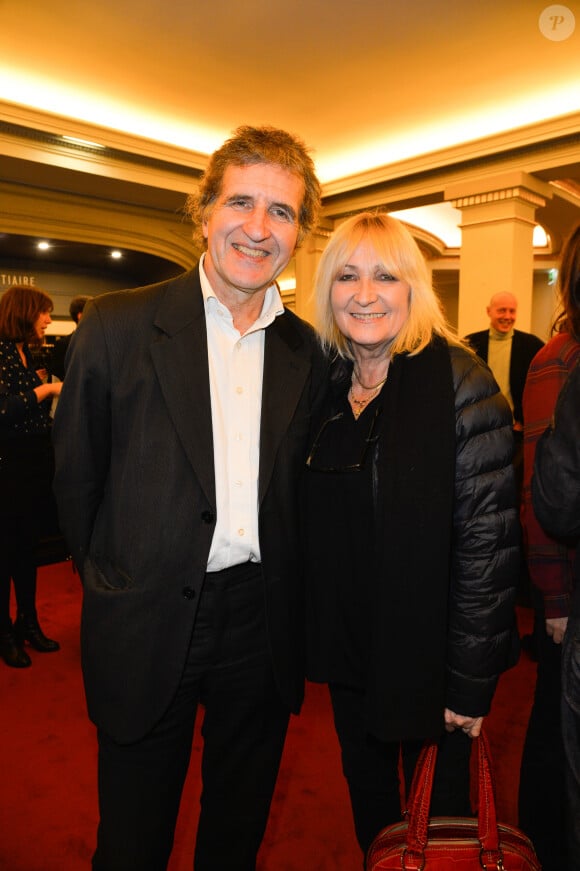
[(11, 651), (27, 629)]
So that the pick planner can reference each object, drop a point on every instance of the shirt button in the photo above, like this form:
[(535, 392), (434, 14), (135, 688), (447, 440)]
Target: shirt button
[(241, 532), (188, 593), (239, 390)]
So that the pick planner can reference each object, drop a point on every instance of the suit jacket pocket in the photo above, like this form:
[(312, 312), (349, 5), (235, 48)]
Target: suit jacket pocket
[(101, 574)]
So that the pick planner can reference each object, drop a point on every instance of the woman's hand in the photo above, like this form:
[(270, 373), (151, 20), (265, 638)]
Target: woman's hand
[(470, 725), (556, 628), (48, 390)]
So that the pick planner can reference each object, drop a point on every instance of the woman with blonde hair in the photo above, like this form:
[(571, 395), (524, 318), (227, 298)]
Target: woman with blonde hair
[(411, 525), (26, 467)]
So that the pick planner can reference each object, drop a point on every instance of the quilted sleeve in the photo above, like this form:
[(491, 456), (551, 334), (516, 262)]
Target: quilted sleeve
[(482, 639)]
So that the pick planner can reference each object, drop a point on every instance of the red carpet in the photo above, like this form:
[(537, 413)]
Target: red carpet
[(48, 804)]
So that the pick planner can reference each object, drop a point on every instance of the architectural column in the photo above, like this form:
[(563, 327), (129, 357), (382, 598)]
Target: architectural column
[(307, 258), (497, 253)]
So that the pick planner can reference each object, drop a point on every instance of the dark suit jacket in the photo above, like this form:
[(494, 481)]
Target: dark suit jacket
[(136, 494), (525, 346), (57, 356)]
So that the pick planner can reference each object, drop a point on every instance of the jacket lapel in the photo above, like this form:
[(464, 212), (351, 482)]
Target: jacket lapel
[(180, 358), (286, 370)]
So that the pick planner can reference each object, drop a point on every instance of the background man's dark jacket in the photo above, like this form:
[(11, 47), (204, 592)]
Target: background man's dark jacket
[(525, 346)]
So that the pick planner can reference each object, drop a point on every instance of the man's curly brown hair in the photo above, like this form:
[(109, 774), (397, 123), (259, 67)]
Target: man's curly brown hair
[(251, 145)]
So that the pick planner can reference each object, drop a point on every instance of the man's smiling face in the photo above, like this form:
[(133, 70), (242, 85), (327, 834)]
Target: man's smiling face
[(502, 312), (252, 229)]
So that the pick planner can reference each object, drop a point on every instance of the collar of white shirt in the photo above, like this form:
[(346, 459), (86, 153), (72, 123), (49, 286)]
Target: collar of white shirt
[(272, 306)]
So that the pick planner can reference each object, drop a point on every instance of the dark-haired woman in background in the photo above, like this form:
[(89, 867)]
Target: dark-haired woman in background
[(411, 525), (26, 467), (542, 796)]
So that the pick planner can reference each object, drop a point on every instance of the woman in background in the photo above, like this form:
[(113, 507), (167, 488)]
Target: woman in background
[(411, 525), (542, 795), (26, 467)]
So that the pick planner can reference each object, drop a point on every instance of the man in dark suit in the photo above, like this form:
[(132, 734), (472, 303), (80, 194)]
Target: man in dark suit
[(507, 351), (57, 356), (180, 439)]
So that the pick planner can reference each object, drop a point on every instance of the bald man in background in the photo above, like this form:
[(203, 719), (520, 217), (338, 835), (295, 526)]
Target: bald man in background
[(508, 353)]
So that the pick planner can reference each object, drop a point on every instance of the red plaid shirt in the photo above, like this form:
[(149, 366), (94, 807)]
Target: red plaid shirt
[(550, 562)]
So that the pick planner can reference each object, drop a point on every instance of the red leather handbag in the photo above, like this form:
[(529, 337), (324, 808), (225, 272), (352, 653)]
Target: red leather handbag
[(451, 843)]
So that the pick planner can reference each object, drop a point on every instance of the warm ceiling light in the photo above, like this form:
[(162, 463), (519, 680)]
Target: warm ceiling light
[(540, 237), (441, 220), (86, 142), (116, 255), (43, 246)]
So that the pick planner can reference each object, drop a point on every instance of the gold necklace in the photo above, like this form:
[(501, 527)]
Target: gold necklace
[(361, 404)]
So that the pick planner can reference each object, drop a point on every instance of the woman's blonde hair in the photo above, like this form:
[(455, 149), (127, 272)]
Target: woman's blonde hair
[(398, 253)]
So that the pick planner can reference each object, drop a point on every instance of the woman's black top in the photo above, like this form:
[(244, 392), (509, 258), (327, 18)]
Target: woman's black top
[(26, 457), (20, 411), (340, 509)]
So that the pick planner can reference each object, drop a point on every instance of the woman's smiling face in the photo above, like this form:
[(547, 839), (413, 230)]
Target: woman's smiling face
[(369, 304)]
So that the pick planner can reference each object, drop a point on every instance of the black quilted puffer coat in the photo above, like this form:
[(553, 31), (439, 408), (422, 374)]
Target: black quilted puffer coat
[(441, 622)]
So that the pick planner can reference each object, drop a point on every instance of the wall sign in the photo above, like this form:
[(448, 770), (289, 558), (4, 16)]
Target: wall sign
[(7, 279)]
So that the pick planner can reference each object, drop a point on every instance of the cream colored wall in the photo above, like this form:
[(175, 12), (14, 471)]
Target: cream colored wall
[(498, 214), (544, 304), (307, 258), (446, 285)]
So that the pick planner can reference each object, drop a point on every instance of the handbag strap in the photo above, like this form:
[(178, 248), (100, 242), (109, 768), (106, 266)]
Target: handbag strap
[(420, 801)]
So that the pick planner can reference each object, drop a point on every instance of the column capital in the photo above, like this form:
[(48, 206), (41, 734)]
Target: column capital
[(515, 185), (497, 253)]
